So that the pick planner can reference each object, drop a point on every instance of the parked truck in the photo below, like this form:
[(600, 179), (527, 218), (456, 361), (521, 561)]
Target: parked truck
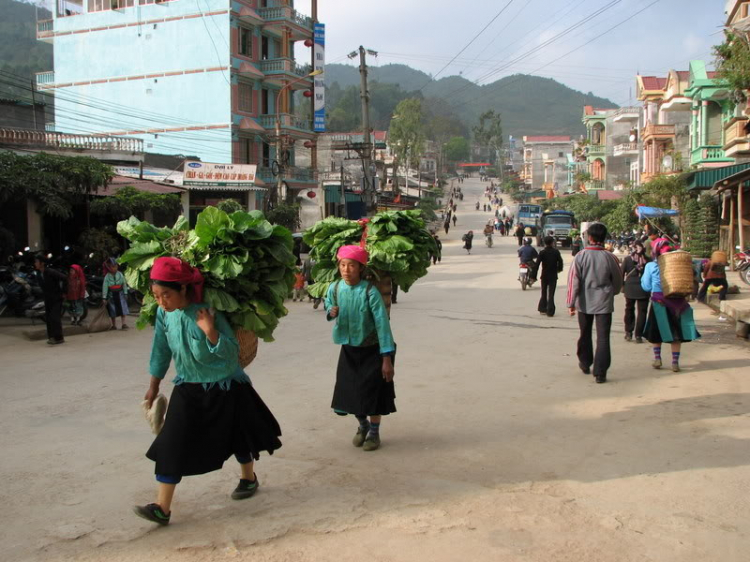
[(559, 225), (529, 215)]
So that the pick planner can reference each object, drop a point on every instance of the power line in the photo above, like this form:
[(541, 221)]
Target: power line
[(469, 43)]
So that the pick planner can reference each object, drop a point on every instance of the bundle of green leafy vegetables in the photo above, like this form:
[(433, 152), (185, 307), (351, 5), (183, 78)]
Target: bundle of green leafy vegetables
[(397, 241), (247, 263)]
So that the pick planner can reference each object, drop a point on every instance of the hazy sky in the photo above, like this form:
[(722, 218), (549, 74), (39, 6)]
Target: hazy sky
[(427, 34)]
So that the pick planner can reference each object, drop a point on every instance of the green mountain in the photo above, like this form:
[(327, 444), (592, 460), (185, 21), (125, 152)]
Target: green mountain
[(530, 105), (20, 52)]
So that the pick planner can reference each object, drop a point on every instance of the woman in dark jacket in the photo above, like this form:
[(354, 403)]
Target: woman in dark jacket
[(636, 299)]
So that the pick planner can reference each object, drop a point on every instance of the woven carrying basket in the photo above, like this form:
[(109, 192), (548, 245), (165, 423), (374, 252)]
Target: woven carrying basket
[(719, 258), (384, 283), (248, 346), (676, 270)]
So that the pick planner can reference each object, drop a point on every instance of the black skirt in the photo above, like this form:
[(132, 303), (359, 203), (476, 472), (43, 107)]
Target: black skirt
[(360, 387), (204, 427)]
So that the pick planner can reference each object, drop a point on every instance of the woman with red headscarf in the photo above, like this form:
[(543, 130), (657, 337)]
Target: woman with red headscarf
[(670, 320), (213, 412), (76, 293), (364, 377)]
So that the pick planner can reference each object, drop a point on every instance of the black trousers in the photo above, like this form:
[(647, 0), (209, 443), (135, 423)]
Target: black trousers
[(717, 282), (635, 322), (602, 358), (547, 302), (53, 316)]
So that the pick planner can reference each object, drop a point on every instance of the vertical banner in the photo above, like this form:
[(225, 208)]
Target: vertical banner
[(319, 52)]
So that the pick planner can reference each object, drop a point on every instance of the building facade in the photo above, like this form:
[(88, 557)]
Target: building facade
[(193, 77), (546, 162), (611, 146)]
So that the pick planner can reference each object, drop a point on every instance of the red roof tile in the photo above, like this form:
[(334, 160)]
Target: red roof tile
[(609, 195), (654, 82)]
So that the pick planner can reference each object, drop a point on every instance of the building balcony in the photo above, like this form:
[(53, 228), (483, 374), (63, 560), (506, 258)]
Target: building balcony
[(45, 79), (596, 150), (658, 132), (289, 123), (70, 144), (626, 148), (278, 70), (709, 156), (595, 185), (277, 14), (736, 140), (627, 114), (45, 30), (292, 174)]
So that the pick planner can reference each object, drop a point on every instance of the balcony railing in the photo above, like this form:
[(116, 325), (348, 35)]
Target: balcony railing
[(597, 149), (627, 113), (708, 154), (291, 173), (626, 148), (652, 130), (277, 66), (735, 133), (280, 12), (287, 121), (45, 29), (45, 78), (46, 139), (595, 184)]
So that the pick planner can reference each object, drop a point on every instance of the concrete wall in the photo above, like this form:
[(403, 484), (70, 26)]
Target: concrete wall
[(552, 150), (20, 115), (618, 167)]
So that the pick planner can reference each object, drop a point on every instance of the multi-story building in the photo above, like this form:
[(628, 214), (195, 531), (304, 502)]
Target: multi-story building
[(611, 146), (545, 163), (195, 77)]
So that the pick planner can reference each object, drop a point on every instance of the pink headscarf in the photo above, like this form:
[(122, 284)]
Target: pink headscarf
[(356, 253), (662, 246), (174, 270)]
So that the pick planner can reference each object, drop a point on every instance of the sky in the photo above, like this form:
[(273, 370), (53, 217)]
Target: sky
[(427, 34)]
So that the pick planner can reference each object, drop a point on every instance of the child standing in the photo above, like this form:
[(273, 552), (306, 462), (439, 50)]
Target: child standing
[(114, 292), (364, 377), (299, 286), (76, 293)]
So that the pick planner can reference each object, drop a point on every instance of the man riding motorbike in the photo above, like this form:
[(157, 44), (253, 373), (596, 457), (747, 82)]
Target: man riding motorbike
[(527, 254)]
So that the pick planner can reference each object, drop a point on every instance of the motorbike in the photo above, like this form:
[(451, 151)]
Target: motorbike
[(742, 265), (524, 276)]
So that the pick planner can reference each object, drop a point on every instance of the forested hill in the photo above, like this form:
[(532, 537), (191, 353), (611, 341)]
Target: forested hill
[(529, 105), (20, 52)]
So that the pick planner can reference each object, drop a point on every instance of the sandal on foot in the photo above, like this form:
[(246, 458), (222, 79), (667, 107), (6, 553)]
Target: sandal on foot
[(152, 512), (675, 367), (125, 327), (656, 364), (245, 489), (372, 443)]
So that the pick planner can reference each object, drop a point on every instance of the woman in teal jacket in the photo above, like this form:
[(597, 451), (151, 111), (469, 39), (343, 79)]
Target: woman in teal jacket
[(214, 412)]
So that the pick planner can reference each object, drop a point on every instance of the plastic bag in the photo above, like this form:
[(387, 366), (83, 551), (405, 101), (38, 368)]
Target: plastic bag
[(101, 321)]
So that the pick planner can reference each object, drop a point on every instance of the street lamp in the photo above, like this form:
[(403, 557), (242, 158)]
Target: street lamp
[(280, 177)]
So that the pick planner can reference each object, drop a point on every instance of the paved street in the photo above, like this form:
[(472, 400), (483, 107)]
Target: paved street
[(501, 450)]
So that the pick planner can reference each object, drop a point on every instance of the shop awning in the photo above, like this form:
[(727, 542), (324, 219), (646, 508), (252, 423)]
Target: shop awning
[(333, 195), (706, 179), (733, 181), (644, 212)]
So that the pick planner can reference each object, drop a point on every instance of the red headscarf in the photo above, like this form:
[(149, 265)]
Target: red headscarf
[(356, 253), (174, 270), (76, 283)]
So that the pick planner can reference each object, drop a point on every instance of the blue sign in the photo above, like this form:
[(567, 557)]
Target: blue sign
[(319, 91)]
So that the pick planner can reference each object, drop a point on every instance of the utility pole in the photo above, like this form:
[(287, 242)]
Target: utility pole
[(33, 102), (364, 95), (344, 213), (314, 148)]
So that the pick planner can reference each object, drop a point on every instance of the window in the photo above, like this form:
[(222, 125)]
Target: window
[(560, 155), (264, 101), (245, 101), (246, 42), (246, 151)]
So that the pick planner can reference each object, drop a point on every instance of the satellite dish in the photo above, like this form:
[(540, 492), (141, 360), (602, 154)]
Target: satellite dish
[(667, 162), (632, 138)]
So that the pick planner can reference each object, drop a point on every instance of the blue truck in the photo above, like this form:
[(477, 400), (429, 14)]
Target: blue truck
[(559, 225), (529, 215)]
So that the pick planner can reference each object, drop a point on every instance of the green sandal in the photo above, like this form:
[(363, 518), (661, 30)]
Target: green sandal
[(152, 512)]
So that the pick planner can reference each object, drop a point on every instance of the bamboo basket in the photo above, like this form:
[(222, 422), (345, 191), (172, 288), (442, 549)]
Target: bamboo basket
[(384, 283), (248, 342), (719, 258), (676, 269)]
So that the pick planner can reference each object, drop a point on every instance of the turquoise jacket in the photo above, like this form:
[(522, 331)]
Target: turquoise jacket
[(362, 313), (177, 337), (110, 279), (651, 279)]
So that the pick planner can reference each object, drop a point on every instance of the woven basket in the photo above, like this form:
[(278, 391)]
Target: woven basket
[(384, 283), (719, 258), (676, 270), (248, 346)]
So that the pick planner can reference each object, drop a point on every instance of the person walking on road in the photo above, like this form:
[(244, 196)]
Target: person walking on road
[(636, 299), (447, 226), (455, 218), (670, 320), (213, 412), (594, 280), (438, 255), (468, 239), (519, 233), (364, 377), (53, 289), (551, 262), (114, 293)]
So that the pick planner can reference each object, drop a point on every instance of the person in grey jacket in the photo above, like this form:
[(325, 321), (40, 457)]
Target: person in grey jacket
[(594, 280)]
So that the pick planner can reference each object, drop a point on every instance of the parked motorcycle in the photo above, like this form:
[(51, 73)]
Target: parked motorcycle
[(742, 265)]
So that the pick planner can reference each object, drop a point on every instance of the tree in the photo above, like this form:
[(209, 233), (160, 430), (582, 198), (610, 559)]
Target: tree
[(406, 132), (489, 132), (128, 201), (53, 182), (457, 149), (701, 232), (285, 215), (733, 64), (229, 206)]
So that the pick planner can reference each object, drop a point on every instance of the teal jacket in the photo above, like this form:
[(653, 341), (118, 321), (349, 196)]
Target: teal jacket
[(362, 316), (177, 337)]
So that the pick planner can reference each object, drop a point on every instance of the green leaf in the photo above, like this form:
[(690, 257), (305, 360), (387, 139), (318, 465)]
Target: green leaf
[(211, 225), (221, 300)]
